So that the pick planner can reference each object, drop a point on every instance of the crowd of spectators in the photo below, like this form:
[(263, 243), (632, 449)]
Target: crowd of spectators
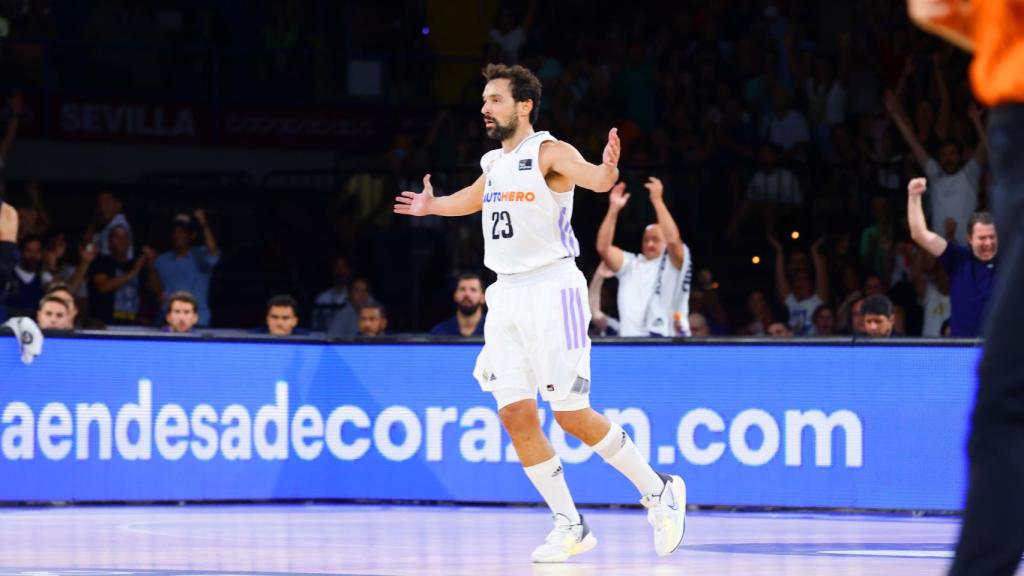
[(785, 133)]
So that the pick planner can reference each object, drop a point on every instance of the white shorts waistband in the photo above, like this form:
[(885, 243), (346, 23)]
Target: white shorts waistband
[(545, 272)]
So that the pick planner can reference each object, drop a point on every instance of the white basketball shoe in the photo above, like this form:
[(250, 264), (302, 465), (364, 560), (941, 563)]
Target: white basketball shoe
[(564, 541), (666, 512)]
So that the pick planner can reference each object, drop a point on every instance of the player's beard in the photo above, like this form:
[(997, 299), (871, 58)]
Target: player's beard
[(502, 133), (469, 309)]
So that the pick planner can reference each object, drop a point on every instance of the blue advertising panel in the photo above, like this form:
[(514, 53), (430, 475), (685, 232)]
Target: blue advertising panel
[(759, 425)]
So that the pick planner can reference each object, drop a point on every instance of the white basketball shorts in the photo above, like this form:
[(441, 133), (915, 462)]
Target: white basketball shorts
[(535, 338)]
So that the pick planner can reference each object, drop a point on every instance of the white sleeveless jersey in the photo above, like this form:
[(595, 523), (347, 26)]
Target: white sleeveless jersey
[(526, 225)]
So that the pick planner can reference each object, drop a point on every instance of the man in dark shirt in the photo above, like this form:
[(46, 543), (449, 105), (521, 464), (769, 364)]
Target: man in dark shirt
[(27, 285), (469, 315), (971, 268), (116, 280)]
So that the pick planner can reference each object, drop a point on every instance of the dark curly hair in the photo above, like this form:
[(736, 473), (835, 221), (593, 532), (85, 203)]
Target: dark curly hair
[(525, 86)]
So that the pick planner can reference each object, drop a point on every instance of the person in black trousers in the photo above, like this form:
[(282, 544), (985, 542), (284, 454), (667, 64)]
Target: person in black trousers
[(992, 535)]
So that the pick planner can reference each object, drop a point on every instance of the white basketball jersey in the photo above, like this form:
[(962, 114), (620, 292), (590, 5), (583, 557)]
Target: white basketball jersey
[(526, 225)]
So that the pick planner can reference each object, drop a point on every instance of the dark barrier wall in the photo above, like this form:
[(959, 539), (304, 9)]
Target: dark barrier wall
[(834, 425)]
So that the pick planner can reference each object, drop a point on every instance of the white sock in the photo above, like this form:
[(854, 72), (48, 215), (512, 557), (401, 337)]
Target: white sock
[(549, 479), (618, 450)]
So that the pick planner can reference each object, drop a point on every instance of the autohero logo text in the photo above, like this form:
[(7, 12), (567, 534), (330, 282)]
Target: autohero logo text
[(141, 431)]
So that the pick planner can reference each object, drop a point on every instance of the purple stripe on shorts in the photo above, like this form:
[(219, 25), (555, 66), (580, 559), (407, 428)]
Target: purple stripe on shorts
[(572, 321), (579, 309), (565, 318)]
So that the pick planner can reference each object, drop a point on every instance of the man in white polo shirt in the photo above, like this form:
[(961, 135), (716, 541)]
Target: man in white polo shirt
[(654, 286)]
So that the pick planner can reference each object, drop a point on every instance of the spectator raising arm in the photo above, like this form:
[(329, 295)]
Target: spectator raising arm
[(208, 238), (86, 255), (925, 238), (903, 125), (668, 225), (942, 122), (611, 255), (782, 289)]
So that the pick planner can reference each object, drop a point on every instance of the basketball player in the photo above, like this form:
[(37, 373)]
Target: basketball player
[(654, 286), (536, 332), (992, 536)]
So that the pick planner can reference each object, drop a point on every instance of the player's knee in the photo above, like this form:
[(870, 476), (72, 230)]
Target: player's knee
[(519, 416), (573, 422)]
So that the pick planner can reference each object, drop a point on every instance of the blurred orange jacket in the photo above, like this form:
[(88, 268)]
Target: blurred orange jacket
[(996, 28)]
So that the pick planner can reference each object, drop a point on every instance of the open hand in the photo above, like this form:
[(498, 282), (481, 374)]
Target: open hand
[(612, 149), (617, 198), (413, 204)]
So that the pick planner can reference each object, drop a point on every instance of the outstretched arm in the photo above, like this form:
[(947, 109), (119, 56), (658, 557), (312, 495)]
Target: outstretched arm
[(466, 201), (903, 124), (781, 283), (86, 256), (611, 255), (8, 223), (666, 222), (208, 238), (925, 238), (561, 159)]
